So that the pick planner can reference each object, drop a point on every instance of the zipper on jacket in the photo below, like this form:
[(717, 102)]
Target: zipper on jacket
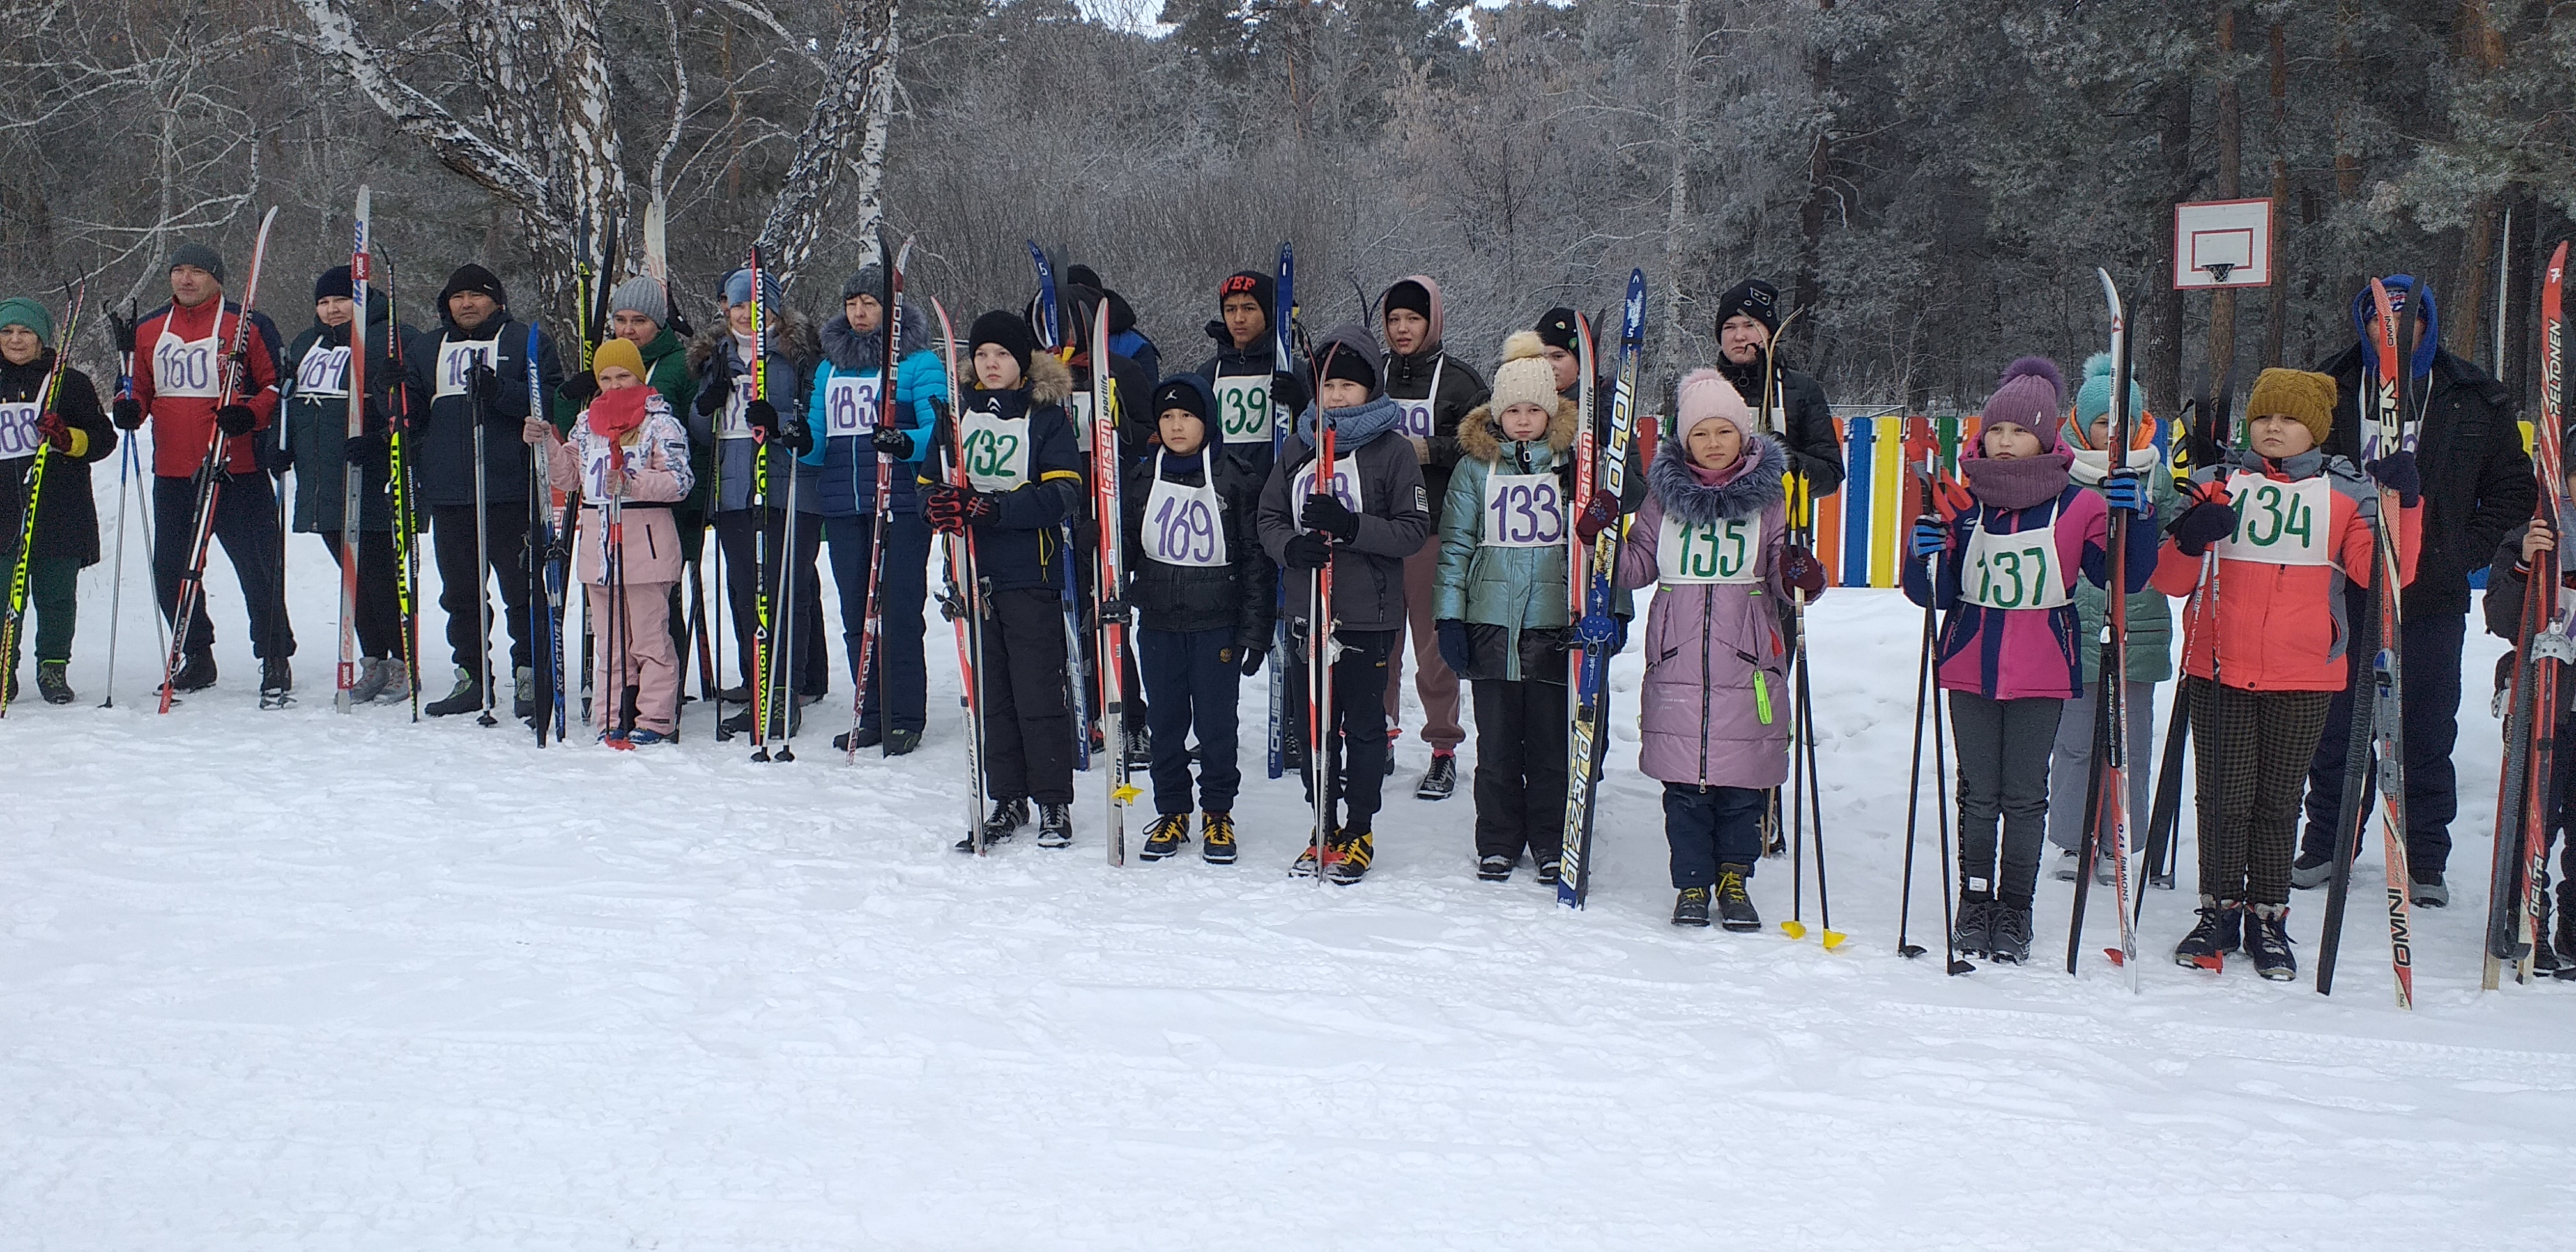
[(1707, 611)]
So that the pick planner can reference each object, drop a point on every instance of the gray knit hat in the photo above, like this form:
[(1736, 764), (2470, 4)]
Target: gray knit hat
[(868, 281), (640, 294), (199, 255)]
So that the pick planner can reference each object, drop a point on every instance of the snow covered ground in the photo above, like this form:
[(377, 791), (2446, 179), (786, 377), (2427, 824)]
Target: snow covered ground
[(295, 979)]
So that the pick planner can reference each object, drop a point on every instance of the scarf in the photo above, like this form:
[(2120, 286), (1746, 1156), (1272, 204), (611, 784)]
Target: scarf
[(2018, 484)]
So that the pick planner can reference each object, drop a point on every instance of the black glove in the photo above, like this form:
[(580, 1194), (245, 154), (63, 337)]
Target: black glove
[(368, 454), (1453, 644), (483, 384), (128, 413), (719, 386), (762, 417), (798, 437), (2203, 524), (2201, 452), (276, 458), (2396, 472), (892, 442), (1306, 550), (236, 419), (1329, 515), (578, 390), (1252, 658)]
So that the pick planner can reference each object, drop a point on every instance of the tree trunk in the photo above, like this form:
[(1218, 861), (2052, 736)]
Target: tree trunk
[(2231, 160), (2276, 317), (2481, 49), (1676, 337), (860, 77), (2161, 362), (1819, 205)]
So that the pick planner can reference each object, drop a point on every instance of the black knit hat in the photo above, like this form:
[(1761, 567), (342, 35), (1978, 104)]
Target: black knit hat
[(1189, 395), (1556, 328), (1407, 294), (333, 282), (1341, 363), (472, 277), (1259, 286), (1008, 330), (1753, 298)]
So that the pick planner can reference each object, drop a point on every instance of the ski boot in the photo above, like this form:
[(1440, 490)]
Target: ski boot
[(373, 673), (1307, 865), (196, 672), (1495, 868), (1165, 836), (1140, 744), (852, 740), (276, 683), (1001, 822), (1055, 825), (1347, 861), (1734, 905), (2311, 870), (1216, 838), (2563, 936), (2209, 942), (2267, 938), (466, 697), (1548, 871), (2430, 892), (1690, 908), (51, 682), (1441, 780), (1976, 917), (523, 693), (2008, 933), (902, 742)]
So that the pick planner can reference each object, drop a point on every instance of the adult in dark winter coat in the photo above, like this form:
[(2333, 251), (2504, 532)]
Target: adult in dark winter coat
[(2477, 487), (1435, 393), (1202, 588), (318, 446), (1024, 479), (1253, 395), (178, 387), (1748, 319), (1125, 338), (66, 540), (475, 372), (1375, 516)]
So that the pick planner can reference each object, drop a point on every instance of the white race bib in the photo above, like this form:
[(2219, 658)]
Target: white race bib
[(1184, 525), (2015, 571), (594, 468), (850, 404), (734, 421), (324, 371), (456, 359), (1417, 418), (1523, 511), (2279, 523), (186, 367), (1345, 487), (1697, 553), (1078, 408), (18, 433), (997, 450), (1243, 408)]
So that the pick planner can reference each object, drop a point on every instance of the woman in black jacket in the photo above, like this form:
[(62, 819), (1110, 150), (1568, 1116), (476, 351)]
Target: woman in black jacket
[(75, 432)]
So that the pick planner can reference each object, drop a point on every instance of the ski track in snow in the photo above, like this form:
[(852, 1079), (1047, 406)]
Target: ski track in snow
[(294, 979)]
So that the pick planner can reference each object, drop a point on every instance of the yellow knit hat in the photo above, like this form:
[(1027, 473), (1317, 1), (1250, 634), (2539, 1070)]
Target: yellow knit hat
[(2306, 398), (621, 353)]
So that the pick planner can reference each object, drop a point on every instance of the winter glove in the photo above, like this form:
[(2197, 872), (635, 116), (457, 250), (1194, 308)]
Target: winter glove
[(368, 454), (128, 413), (2201, 452), (951, 510), (1931, 537), (1306, 550), (1329, 515), (762, 417), (1800, 571), (1453, 645), (2396, 472), (711, 398), (1598, 515), (2122, 489), (236, 419), (52, 429), (798, 436), (2210, 518), (1252, 659), (483, 384), (891, 442), (578, 390)]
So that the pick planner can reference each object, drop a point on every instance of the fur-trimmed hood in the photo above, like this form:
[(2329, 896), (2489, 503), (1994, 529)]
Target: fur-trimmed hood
[(1745, 494), (1481, 435), (793, 338)]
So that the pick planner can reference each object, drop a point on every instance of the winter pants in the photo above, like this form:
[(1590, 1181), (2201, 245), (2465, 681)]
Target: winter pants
[(53, 585), (1708, 827), (1028, 704), (1520, 769), (901, 680), (2070, 765), (2250, 753), (805, 670), (379, 598), (1191, 682), (2003, 750), (246, 521), (460, 591), (2431, 672), (638, 654), (1432, 678), (1356, 757)]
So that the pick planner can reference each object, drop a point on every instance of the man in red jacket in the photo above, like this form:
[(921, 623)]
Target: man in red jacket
[(179, 376)]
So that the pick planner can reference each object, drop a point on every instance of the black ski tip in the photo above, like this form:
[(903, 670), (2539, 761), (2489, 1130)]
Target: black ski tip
[(1909, 950), (1958, 967)]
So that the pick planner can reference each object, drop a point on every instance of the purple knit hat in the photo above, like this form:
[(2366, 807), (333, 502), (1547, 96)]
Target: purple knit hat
[(2032, 395)]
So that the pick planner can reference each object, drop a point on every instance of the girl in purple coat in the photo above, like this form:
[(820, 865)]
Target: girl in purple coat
[(1712, 536), (2008, 644)]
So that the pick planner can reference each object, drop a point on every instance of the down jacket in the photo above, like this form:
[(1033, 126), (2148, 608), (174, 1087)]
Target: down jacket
[(1237, 595), (1513, 600), (2025, 653), (657, 475), (1016, 551)]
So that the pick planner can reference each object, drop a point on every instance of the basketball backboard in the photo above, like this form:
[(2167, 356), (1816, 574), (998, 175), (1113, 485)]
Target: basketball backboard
[(2223, 243)]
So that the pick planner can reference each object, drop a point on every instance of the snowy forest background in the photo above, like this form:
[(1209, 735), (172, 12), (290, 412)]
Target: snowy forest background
[(1933, 183)]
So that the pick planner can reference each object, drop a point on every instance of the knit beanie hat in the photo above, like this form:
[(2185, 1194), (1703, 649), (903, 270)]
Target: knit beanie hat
[(1555, 329), (1753, 298), (2093, 399), (333, 282), (868, 281), (472, 277), (1340, 364), (2306, 398), (1261, 287), (1176, 394), (1009, 330), (1525, 376), (21, 311), (737, 289), (1410, 295), (617, 352), (2029, 397), (640, 294), (1705, 396), (199, 255)]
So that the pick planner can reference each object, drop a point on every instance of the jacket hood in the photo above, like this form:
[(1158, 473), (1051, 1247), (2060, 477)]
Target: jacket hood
[(1481, 435), (854, 353), (1431, 346), (792, 337), (1742, 495), (1353, 338), (379, 313), (2401, 288), (1356, 426)]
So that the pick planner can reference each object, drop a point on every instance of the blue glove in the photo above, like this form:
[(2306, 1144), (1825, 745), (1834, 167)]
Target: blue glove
[(2396, 472), (1931, 537), (1453, 645), (2123, 489)]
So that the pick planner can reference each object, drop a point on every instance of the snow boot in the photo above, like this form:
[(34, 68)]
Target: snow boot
[(1969, 933), (1055, 825), (276, 683), (1548, 871), (2267, 938), (851, 740), (902, 742), (1690, 908), (1140, 743), (1216, 838), (1439, 781), (2008, 933), (2430, 891), (370, 683), (2311, 870), (2069, 864), (2217, 934), (1306, 862), (1165, 836), (523, 693), (1734, 906), (1001, 822), (643, 738), (467, 697), (196, 672), (1348, 858), (1495, 868), (51, 682)]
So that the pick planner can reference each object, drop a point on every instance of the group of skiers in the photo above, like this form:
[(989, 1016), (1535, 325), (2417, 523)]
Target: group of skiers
[(1451, 511)]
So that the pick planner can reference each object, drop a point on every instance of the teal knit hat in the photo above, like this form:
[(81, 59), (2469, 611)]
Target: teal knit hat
[(2093, 399), (21, 311)]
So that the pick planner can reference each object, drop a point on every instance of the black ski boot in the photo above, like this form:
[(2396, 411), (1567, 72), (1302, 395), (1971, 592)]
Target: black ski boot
[(850, 740), (196, 672), (276, 683), (902, 742), (2267, 939), (1439, 781), (1495, 868), (2311, 870), (1165, 836), (51, 683), (1055, 825), (1216, 838), (1549, 868), (1690, 908), (1001, 821), (2563, 935), (1976, 917), (1735, 907), (2008, 933), (1140, 744), (1347, 861), (2217, 934)]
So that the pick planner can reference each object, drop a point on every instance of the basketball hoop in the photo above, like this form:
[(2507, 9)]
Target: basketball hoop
[(2220, 244), (2218, 271)]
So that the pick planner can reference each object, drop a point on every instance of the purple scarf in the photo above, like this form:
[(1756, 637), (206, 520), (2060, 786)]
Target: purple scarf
[(2018, 484)]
